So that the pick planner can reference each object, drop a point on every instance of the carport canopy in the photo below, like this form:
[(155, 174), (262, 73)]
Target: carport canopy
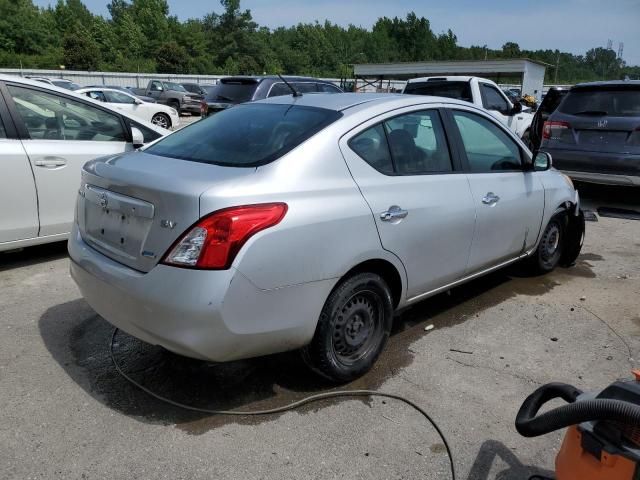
[(529, 73)]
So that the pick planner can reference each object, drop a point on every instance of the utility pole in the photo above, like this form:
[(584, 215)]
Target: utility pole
[(557, 66)]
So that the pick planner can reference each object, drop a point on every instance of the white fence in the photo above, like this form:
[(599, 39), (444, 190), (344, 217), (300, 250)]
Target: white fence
[(140, 80)]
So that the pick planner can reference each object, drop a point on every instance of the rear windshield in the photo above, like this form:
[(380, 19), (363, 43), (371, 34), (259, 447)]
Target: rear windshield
[(457, 90), (233, 91), (613, 101), (247, 135)]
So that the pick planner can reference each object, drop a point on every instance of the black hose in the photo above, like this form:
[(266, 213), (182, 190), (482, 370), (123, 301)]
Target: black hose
[(528, 425), (291, 406)]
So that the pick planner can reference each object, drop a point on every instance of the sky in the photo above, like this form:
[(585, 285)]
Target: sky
[(569, 25)]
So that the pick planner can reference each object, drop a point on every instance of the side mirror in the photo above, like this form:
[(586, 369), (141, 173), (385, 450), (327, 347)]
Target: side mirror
[(137, 137), (137, 101), (517, 108), (542, 161)]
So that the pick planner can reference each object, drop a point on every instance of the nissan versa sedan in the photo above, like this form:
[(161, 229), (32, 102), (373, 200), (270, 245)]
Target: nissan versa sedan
[(304, 223)]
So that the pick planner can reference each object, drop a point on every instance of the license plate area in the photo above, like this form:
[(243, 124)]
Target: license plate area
[(116, 224)]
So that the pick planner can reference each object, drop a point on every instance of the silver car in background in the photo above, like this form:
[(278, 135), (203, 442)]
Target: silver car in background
[(306, 222)]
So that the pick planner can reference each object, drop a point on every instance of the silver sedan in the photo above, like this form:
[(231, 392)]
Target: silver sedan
[(305, 222)]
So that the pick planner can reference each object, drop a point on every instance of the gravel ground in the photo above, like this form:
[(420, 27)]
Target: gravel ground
[(67, 414)]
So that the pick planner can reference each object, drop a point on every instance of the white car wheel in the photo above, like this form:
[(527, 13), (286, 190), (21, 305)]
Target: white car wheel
[(161, 120)]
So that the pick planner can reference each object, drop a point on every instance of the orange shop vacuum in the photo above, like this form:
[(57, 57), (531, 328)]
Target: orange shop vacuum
[(603, 438)]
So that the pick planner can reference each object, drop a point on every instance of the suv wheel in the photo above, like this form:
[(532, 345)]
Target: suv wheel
[(353, 328)]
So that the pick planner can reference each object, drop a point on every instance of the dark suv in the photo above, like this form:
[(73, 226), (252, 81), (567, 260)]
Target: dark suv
[(233, 90), (594, 135), (549, 105)]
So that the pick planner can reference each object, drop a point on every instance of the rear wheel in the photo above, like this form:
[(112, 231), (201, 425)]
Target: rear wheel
[(549, 252), (161, 120), (353, 328)]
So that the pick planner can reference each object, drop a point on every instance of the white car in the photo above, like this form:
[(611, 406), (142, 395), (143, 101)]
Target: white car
[(156, 113), (46, 135)]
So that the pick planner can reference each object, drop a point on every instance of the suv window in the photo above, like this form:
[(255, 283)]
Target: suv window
[(156, 86), (118, 97), (52, 117), (279, 89), (457, 90), (492, 99), (246, 136), (327, 88), (487, 146), (371, 145), (409, 144), (236, 91), (616, 101)]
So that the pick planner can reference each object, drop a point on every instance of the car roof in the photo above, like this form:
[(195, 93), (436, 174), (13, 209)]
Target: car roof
[(448, 78), (53, 88), (609, 83), (344, 101), (260, 78)]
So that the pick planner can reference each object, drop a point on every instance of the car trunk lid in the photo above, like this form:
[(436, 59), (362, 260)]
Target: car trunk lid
[(133, 207)]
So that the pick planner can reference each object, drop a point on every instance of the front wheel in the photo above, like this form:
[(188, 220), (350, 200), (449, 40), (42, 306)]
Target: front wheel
[(161, 120), (352, 330), (549, 252)]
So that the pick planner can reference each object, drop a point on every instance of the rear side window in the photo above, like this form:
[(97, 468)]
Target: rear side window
[(457, 90), (96, 96), (248, 135), (613, 101), (410, 144), (488, 148), (371, 145), (279, 89)]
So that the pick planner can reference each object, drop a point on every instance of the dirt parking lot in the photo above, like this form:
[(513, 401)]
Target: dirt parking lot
[(66, 413)]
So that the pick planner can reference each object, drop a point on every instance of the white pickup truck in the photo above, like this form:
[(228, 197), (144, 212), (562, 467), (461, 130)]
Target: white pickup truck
[(479, 91)]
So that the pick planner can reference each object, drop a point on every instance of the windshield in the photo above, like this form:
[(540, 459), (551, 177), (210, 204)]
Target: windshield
[(613, 101), (248, 135), (457, 90), (233, 91), (174, 86)]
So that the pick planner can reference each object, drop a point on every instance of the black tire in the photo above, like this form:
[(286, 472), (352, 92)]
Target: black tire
[(175, 105), (551, 246), (161, 120), (352, 330)]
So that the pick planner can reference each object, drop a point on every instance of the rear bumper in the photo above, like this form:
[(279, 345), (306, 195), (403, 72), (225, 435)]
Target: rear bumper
[(190, 107), (597, 167), (211, 315)]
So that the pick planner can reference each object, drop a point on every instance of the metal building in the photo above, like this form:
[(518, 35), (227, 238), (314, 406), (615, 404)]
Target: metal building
[(529, 74)]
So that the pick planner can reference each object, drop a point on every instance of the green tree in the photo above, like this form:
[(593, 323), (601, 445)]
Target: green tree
[(172, 58), (81, 52)]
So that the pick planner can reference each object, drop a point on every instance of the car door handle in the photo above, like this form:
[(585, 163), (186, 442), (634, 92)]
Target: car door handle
[(50, 162), (393, 213), (490, 198)]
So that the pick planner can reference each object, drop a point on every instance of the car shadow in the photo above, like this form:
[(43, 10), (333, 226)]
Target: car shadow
[(79, 340), (32, 255), (492, 452)]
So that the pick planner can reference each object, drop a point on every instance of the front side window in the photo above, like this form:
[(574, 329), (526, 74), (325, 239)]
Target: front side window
[(248, 135), (492, 99), (118, 97), (48, 116), (279, 89), (488, 147), (156, 86), (410, 144)]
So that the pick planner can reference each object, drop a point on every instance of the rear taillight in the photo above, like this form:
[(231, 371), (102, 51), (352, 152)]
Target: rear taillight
[(214, 242), (554, 129)]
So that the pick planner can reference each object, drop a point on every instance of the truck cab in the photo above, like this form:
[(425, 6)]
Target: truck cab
[(481, 92)]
